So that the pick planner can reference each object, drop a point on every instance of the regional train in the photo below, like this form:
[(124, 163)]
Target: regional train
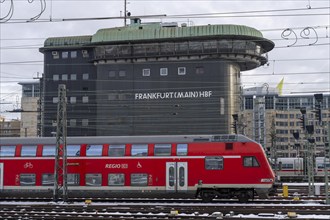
[(295, 169), (195, 166)]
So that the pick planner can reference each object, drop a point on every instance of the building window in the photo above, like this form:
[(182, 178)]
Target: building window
[(122, 73), (199, 70), (29, 151), (116, 179), (182, 71), (56, 77), (73, 76), (85, 76), (48, 151), (65, 77), (94, 150), (139, 179), (112, 73), (27, 179), (213, 163), (85, 99), (182, 149), (84, 122), (7, 151), (73, 54), (55, 55), (65, 55), (73, 100), (139, 150), (85, 53), (116, 150), (146, 72), (94, 179), (73, 122), (163, 71)]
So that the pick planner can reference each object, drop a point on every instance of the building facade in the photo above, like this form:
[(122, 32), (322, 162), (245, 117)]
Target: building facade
[(272, 120), (9, 128), (150, 79), (30, 111)]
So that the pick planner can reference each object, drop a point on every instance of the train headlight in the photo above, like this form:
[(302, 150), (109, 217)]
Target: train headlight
[(266, 180)]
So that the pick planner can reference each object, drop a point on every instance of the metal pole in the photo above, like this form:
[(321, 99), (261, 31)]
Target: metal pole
[(327, 161), (60, 173), (125, 14)]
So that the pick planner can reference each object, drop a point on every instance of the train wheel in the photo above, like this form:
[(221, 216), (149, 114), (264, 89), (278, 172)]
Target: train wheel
[(243, 197), (207, 196)]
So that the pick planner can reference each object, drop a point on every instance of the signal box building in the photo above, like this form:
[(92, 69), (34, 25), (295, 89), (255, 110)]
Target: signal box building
[(148, 79)]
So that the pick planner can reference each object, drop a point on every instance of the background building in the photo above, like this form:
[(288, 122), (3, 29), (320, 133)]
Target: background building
[(272, 119), (9, 128), (146, 79), (30, 126)]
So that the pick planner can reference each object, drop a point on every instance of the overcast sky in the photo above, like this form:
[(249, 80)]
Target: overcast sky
[(304, 63)]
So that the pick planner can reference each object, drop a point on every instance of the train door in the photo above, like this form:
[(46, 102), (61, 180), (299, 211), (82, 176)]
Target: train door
[(298, 166), (1, 176), (176, 176)]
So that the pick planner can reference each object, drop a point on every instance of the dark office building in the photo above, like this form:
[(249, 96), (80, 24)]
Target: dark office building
[(147, 79)]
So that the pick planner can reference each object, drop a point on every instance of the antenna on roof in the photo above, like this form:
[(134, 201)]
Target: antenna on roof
[(126, 13)]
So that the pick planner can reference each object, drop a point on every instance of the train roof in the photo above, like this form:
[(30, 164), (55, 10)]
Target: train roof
[(128, 139)]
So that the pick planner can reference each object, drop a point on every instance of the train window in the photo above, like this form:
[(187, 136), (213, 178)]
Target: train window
[(116, 179), (73, 150), (287, 166), (214, 163), (171, 176), (7, 151), (139, 150), (181, 176), (27, 179), (139, 179), (47, 179), (94, 179), (94, 150), (29, 151), (73, 179), (116, 150), (250, 162), (162, 149), (48, 151), (181, 149)]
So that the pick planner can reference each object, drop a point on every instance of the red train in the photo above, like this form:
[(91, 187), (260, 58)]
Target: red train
[(202, 166)]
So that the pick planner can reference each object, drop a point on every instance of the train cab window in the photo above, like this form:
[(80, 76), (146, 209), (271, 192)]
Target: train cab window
[(73, 150), (139, 150), (116, 150), (214, 163), (181, 149), (94, 150), (28, 179), (47, 179), (73, 179), (48, 151), (7, 151), (94, 179), (250, 162), (29, 151), (116, 179), (162, 150), (139, 179)]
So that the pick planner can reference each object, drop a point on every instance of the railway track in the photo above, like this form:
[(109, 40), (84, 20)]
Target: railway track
[(157, 210)]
